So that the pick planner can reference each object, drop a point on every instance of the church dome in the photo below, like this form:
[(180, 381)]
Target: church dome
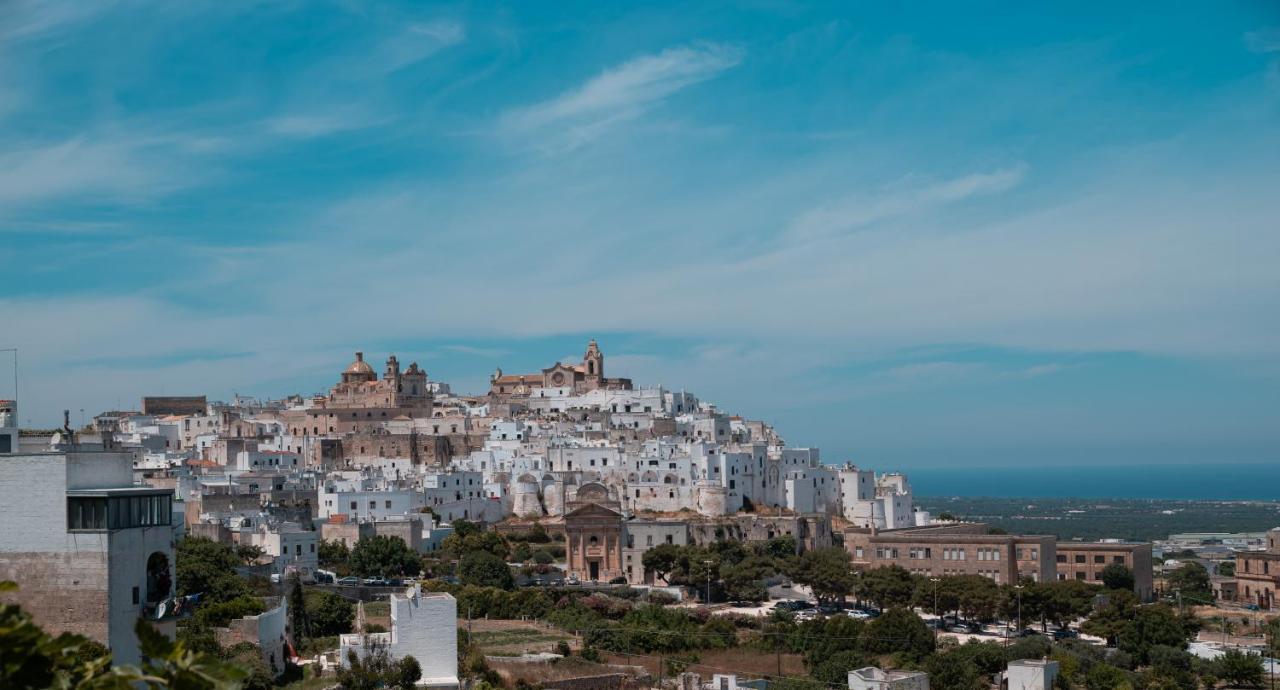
[(359, 366)]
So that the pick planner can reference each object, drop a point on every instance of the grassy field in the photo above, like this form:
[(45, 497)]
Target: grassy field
[(513, 638)]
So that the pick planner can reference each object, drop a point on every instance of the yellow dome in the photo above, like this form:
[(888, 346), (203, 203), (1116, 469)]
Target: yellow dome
[(359, 366)]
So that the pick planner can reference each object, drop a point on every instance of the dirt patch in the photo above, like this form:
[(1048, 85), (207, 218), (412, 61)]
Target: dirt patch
[(535, 674)]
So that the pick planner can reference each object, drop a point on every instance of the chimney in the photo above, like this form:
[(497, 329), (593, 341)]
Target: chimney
[(359, 356)]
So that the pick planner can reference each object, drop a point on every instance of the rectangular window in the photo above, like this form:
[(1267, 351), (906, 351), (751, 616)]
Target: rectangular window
[(1099, 559), (1080, 558)]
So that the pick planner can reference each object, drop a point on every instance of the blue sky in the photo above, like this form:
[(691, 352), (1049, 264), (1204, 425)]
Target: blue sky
[(910, 234)]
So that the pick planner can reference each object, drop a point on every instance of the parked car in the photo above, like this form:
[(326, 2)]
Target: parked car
[(1065, 634), (858, 615), (808, 615), (349, 581), (572, 579)]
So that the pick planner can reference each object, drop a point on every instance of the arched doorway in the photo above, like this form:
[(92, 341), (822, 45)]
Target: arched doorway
[(159, 578)]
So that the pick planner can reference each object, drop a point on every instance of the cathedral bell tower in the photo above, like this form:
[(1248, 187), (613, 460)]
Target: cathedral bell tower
[(593, 364)]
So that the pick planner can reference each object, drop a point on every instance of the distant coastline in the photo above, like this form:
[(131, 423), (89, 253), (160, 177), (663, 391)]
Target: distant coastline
[(1207, 482)]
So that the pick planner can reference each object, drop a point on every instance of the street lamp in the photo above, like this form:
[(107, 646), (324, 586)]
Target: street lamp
[(1019, 590)]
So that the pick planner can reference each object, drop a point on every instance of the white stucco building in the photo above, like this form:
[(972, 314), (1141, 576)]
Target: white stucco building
[(424, 626)]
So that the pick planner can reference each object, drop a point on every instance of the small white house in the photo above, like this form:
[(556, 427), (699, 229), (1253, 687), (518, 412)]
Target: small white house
[(424, 626), (1030, 674), (872, 678)]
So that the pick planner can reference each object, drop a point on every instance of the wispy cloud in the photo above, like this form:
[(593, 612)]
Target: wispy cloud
[(83, 167), (623, 92), (306, 124), (861, 210), (1263, 40), (28, 19)]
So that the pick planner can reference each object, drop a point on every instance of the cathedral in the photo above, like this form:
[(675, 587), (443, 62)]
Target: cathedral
[(361, 388), (580, 378)]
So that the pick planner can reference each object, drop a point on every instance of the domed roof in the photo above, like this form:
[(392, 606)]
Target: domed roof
[(359, 366)]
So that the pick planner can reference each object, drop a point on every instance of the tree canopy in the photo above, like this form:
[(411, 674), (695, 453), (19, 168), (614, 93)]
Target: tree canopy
[(483, 569), (384, 556)]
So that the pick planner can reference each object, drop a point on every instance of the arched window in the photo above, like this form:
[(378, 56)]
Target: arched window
[(159, 580), (593, 541)]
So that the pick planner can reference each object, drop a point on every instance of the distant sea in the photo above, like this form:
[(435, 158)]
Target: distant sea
[(1209, 481)]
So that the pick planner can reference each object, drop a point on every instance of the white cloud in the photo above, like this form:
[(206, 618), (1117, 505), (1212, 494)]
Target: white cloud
[(861, 210), (123, 168), (623, 92), (417, 42)]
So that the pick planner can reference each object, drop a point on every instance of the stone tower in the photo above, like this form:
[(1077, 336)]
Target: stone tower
[(593, 364)]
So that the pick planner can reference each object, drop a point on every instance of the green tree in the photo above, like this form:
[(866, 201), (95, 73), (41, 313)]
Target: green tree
[(1227, 568), (248, 553), (377, 670), (333, 554), (1240, 668), (218, 613), (1192, 581), (483, 569), (952, 670), (328, 614), (744, 580), (384, 556), (1117, 576), (208, 568), (30, 658), (297, 608), (886, 586), (898, 630), (834, 669), (1106, 677), (661, 560), (460, 544), (825, 571), (1156, 625), (1110, 618)]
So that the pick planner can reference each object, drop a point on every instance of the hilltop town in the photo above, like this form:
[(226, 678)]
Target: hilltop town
[(391, 489)]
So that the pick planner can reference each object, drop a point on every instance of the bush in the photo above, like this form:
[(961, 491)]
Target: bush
[(1239, 668), (219, 614)]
